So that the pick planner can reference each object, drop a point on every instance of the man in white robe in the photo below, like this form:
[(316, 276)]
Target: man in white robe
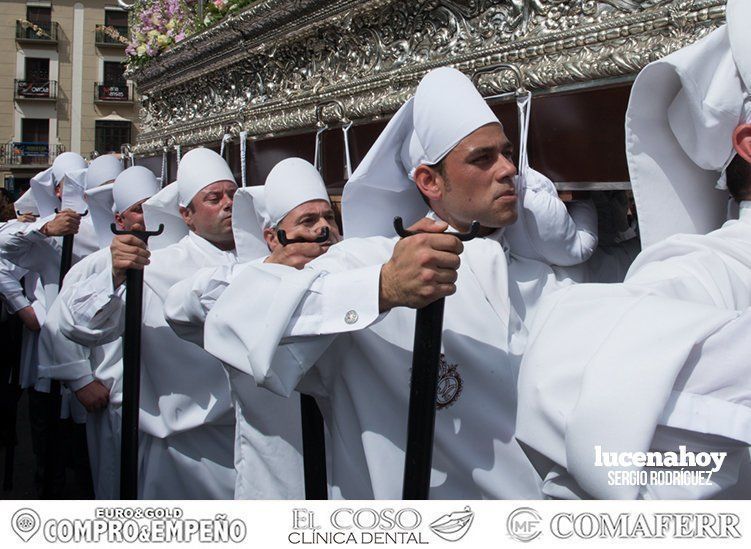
[(660, 361), (95, 373), (34, 246), (185, 399), (342, 328), (22, 292), (268, 445)]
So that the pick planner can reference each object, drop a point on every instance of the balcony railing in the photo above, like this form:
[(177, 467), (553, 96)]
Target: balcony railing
[(45, 90), (21, 153), (39, 33), (113, 93), (108, 36)]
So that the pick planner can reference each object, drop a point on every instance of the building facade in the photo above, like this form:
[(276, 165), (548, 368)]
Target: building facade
[(62, 84)]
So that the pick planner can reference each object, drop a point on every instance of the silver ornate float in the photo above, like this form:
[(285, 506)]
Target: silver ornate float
[(266, 69)]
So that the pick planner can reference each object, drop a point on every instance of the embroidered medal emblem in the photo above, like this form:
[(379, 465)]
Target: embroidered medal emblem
[(449, 384)]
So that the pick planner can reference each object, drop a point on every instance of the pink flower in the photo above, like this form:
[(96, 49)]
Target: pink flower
[(180, 37), (220, 4)]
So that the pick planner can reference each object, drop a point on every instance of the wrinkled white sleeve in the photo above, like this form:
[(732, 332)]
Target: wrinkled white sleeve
[(26, 247), (190, 300), (92, 310), (552, 231), (11, 289), (69, 361), (268, 305)]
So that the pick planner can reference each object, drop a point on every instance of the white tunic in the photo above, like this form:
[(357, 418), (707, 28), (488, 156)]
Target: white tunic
[(658, 361), (268, 444), (359, 365), (23, 245), (185, 401), (78, 365)]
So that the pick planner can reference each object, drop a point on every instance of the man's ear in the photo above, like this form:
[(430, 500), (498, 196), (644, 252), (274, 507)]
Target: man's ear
[(742, 141), (186, 214), (269, 235), (429, 182)]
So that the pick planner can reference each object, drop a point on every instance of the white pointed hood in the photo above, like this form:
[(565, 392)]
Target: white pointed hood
[(66, 162), (291, 182), (199, 168), (103, 169), (446, 108)]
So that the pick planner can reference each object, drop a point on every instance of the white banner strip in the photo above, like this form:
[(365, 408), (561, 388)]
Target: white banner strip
[(271, 524)]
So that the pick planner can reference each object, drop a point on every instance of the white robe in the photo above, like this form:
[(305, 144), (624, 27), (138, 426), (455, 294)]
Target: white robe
[(77, 366), (358, 366), (658, 361), (268, 444), (185, 402), (23, 245)]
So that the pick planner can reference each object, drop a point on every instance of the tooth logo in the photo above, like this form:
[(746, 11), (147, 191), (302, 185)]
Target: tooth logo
[(25, 523), (454, 526)]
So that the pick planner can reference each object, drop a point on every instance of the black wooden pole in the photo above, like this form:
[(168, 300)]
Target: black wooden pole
[(131, 373), (426, 358), (313, 436)]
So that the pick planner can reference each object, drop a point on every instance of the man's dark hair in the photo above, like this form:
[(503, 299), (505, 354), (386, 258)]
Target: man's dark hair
[(739, 178)]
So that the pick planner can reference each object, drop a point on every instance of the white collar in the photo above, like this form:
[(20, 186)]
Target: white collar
[(744, 211), (207, 247), (498, 235)]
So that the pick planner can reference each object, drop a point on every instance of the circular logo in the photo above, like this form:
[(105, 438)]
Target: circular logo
[(524, 524), (449, 384), (25, 523)]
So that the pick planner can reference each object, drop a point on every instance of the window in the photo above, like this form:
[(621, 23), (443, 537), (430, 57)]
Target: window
[(35, 130), (37, 70), (110, 135), (41, 17), (114, 73), (35, 136), (117, 19)]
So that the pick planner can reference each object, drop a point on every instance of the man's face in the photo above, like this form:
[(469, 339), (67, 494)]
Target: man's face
[(476, 183), (132, 216), (209, 214), (306, 221)]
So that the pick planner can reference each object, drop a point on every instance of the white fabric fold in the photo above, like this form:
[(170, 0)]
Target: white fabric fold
[(42, 188), (73, 191), (100, 204), (26, 203), (682, 112), (163, 209)]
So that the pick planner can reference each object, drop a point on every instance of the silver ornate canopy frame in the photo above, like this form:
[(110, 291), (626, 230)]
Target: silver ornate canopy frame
[(268, 69)]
